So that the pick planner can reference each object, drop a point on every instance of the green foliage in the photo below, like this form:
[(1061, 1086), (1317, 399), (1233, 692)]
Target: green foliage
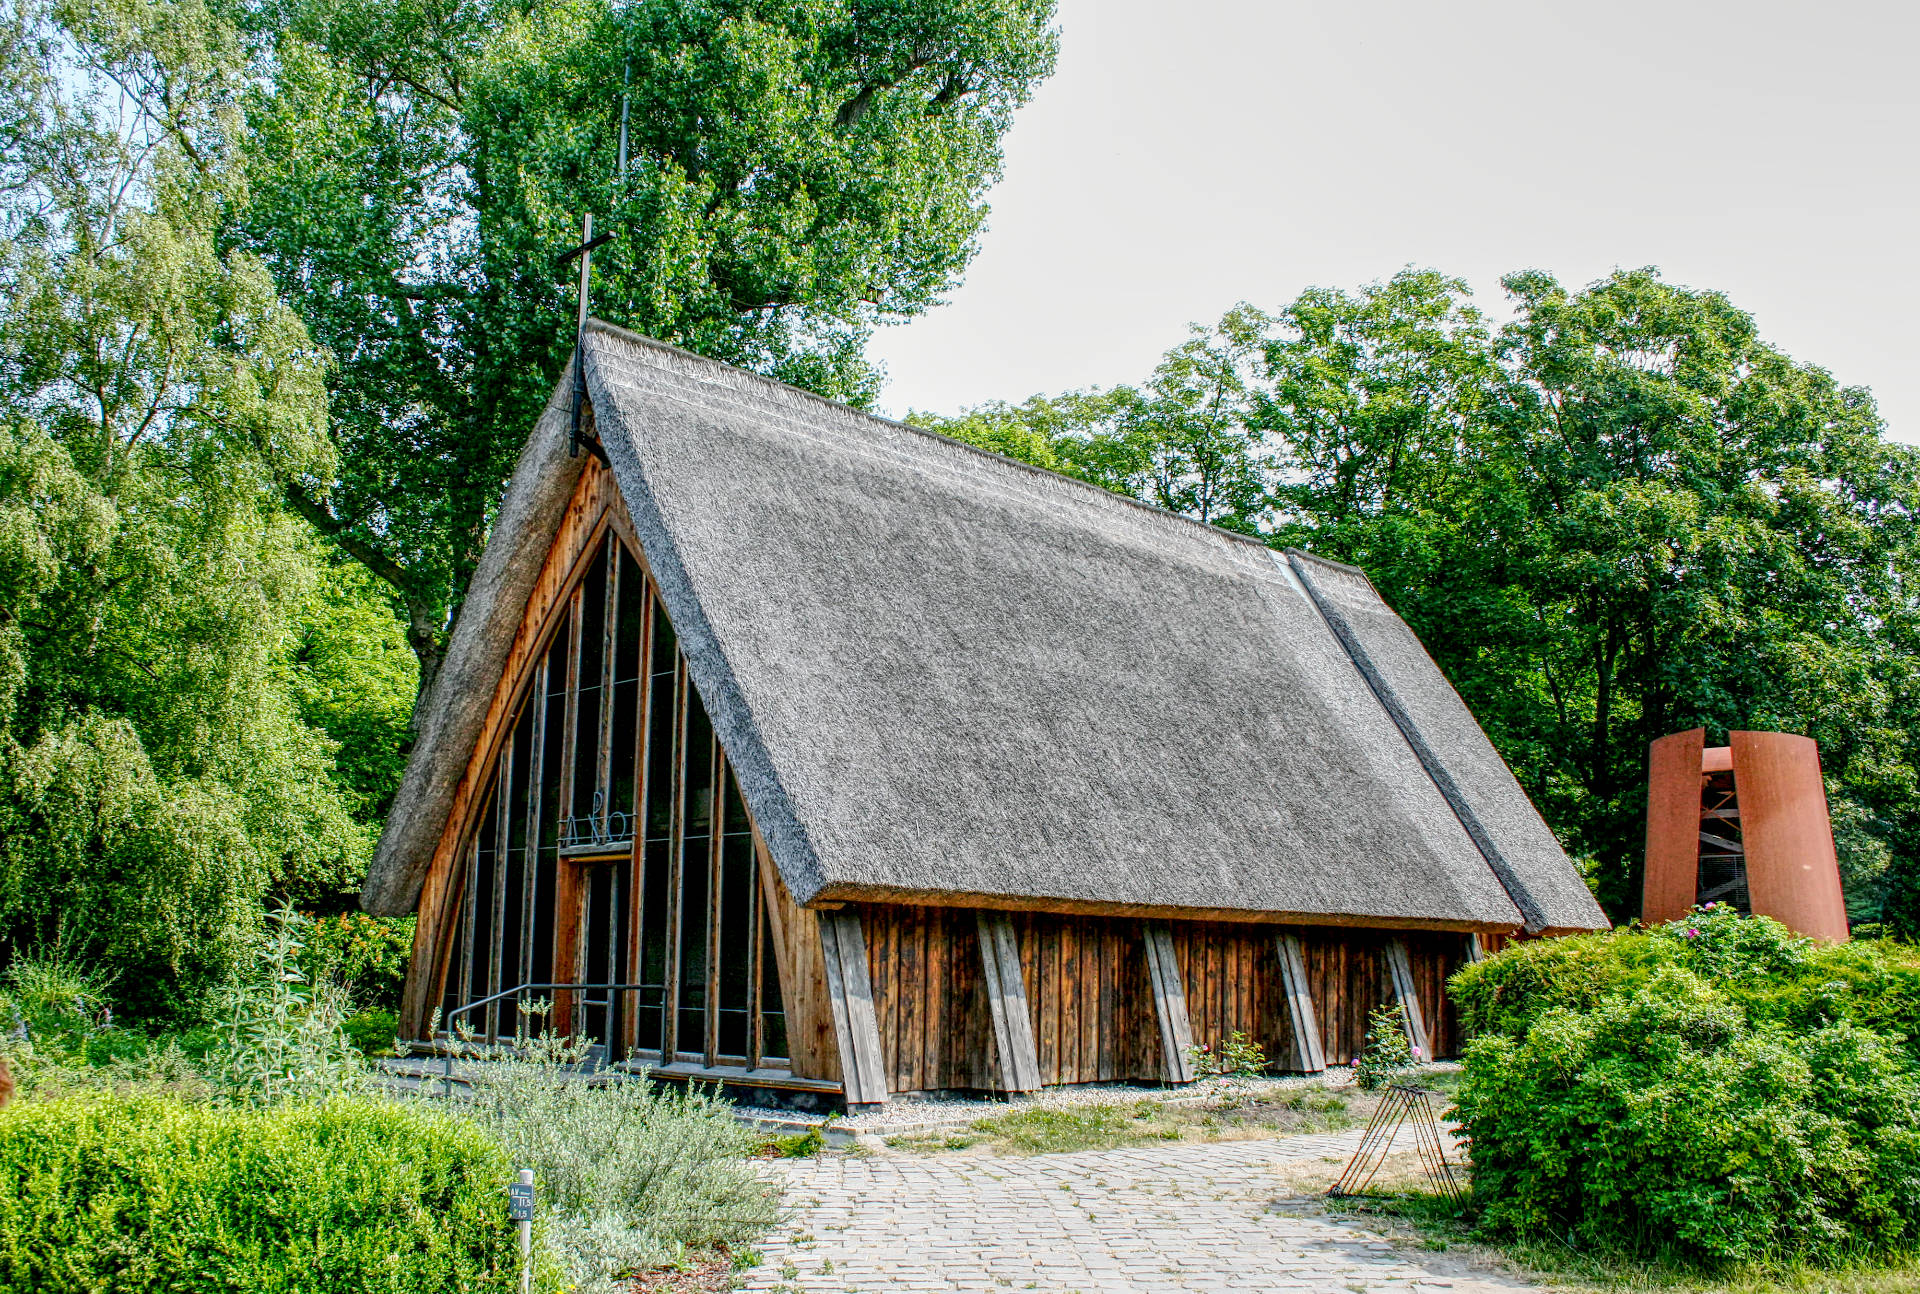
[(1620, 515), (1773, 975), (797, 173), (1713, 1090), (365, 954), (797, 1145), (1238, 1056), (1386, 1056), (630, 1174), (140, 1193), (156, 776), (1664, 1122), (353, 677), (1187, 439), (372, 1032), (280, 1038)]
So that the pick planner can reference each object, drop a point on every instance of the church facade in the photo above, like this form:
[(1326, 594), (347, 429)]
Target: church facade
[(787, 747)]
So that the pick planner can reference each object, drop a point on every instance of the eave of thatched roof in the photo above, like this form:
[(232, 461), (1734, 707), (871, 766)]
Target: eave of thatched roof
[(944, 674)]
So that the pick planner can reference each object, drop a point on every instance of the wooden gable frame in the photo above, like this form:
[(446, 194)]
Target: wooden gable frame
[(594, 508)]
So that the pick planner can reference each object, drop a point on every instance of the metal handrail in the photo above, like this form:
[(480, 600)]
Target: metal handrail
[(446, 1073)]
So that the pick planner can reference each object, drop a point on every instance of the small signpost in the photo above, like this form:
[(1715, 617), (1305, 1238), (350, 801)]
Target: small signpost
[(520, 1210)]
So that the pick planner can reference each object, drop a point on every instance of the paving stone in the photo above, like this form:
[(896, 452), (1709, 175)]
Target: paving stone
[(1162, 1219)]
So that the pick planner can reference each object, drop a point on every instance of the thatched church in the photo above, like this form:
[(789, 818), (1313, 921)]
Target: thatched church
[(825, 754)]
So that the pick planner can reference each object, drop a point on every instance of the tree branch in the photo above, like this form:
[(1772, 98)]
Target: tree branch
[(322, 519)]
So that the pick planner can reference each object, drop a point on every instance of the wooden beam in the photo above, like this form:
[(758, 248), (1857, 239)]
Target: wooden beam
[(1007, 1001), (862, 1064), (1407, 993), (1309, 1054), (1169, 1003), (838, 893), (1476, 951)]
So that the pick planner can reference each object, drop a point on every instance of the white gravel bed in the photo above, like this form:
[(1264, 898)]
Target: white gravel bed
[(911, 1114)]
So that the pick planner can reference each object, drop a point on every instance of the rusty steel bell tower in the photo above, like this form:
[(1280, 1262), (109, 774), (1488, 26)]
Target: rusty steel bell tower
[(1745, 824)]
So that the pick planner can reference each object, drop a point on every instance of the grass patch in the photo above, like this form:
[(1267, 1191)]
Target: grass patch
[(1406, 1210), (1239, 1115)]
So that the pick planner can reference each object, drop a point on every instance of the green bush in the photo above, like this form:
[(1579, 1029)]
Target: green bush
[(113, 1195), (1664, 1123), (368, 955), (1386, 1056), (1715, 1090), (1757, 963), (372, 1033)]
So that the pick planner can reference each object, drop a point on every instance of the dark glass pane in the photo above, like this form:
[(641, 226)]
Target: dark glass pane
[(553, 738), (522, 767), (626, 704), (480, 892), (653, 943), (698, 805), (773, 1019), (456, 951), (735, 819), (586, 748), (545, 878), (623, 1002), (660, 730), (666, 648), (599, 942), (546, 873), (511, 933), (694, 913), (628, 627), (735, 960)]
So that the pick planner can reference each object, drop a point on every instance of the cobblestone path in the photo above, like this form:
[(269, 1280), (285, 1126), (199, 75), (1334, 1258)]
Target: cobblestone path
[(1179, 1217)]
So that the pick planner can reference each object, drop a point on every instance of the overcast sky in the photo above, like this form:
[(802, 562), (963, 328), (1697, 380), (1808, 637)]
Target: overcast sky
[(1186, 156)]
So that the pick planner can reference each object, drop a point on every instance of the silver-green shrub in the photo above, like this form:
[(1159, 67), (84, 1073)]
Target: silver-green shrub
[(629, 1175), (280, 1038)]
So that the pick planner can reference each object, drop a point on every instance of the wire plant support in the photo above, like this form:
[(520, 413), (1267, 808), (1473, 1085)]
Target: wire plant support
[(1402, 1105)]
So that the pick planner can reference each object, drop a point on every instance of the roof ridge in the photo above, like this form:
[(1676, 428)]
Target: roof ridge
[(847, 412)]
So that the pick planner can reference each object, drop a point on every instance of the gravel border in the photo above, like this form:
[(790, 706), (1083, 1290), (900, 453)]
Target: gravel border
[(908, 1115)]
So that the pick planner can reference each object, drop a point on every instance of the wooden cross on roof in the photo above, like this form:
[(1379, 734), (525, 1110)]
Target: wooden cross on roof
[(585, 252)]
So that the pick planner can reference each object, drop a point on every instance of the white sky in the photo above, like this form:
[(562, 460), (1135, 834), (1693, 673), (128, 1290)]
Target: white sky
[(1186, 156)]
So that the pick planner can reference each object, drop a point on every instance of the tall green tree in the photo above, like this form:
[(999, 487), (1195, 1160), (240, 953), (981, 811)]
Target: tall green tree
[(1186, 439), (1717, 535), (1620, 515), (796, 172), (156, 776)]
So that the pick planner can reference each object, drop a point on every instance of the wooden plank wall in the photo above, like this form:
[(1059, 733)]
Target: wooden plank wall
[(1092, 1002), (1092, 998), (1233, 983), (929, 996)]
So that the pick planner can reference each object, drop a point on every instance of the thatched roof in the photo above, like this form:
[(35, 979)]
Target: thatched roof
[(947, 676)]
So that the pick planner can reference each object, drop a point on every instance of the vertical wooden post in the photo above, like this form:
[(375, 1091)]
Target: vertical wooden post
[(1007, 1002), (1476, 951), (862, 1065), (1169, 1003), (1407, 993), (1309, 1052)]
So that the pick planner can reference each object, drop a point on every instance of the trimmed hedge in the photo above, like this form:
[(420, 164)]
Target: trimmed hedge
[(1713, 1091), (108, 1194)]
